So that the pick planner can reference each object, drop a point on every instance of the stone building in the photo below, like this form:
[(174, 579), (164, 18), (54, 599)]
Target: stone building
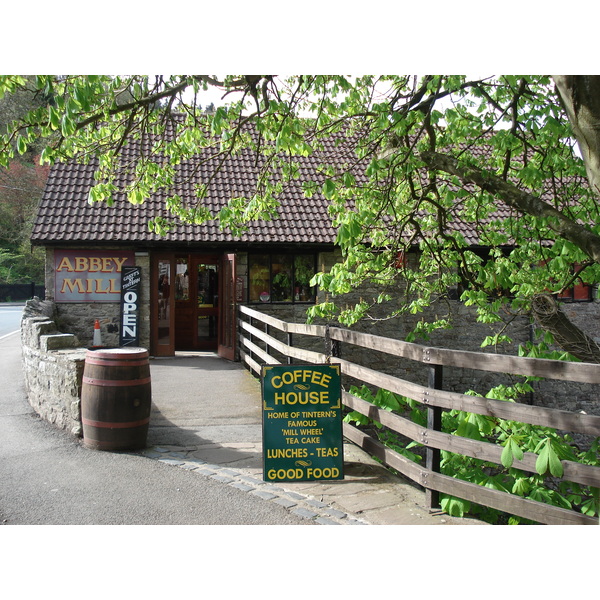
[(186, 284), (192, 277)]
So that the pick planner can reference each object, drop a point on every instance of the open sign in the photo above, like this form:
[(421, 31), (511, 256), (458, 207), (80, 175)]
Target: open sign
[(131, 278)]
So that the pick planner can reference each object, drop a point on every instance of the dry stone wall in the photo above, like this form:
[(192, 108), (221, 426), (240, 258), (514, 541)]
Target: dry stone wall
[(52, 367)]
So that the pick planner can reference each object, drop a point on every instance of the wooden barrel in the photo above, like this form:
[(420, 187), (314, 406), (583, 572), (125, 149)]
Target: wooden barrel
[(116, 399)]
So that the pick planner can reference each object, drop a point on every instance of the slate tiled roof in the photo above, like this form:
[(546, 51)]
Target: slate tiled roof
[(65, 217)]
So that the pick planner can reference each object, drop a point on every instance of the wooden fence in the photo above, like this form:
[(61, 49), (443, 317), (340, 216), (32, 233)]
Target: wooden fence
[(257, 346), (18, 292)]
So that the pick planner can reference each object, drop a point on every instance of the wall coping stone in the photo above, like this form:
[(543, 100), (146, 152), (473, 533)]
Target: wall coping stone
[(58, 341)]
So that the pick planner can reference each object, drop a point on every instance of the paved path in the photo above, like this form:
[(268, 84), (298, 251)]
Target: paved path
[(207, 419), (203, 464)]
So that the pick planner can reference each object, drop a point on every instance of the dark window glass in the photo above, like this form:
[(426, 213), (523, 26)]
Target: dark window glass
[(182, 280), (281, 278), (304, 270), (164, 302)]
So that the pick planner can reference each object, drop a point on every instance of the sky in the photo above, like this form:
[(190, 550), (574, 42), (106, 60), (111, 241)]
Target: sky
[(322, 36)]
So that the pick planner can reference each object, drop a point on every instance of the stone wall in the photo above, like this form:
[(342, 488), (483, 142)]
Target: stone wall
[(52, 367), (466, 333)]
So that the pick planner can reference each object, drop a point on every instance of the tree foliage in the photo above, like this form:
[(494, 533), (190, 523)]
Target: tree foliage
[(21, 187), (419, 162)]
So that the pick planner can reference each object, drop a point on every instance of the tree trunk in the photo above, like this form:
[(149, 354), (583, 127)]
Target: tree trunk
[(566, 334), (580, 95)]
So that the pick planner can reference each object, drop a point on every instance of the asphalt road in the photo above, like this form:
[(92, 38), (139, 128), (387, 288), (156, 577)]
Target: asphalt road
[(10, 319), (47, 478)]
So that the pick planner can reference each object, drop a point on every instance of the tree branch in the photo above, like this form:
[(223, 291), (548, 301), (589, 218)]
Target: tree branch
[(566, 334), (523, 202)]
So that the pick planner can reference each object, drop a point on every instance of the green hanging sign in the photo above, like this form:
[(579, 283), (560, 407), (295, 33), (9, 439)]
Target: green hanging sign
[(302, 423)]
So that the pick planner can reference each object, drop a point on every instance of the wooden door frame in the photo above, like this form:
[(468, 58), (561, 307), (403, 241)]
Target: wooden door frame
[(227, 302), (224, 303)]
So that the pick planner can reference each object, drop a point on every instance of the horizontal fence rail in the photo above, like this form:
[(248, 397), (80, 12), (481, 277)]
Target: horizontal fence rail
[(258, 346)]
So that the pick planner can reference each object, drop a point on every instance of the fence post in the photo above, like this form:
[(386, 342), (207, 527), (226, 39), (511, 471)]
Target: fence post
[(434, 422), (239, 316), (290, 344), (332, 347), (336, 348), (250, 337), (266, 328)]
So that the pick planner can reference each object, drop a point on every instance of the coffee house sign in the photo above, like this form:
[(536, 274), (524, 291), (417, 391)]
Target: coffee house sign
[(89, 275)]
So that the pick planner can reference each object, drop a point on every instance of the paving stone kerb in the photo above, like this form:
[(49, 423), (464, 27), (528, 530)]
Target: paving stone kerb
[(369, 495)]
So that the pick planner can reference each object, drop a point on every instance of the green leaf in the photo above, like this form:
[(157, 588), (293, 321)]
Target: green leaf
[(507, 456), (469, 430), (45, 157), (67, 126), (510, 452), (521, 486), (455, 507), (556, 467), (21, 145), (135, 196), (349, 179), (357, 417), (517, 451), (541, 464), (548, 460), (53, 118), (329, 189)]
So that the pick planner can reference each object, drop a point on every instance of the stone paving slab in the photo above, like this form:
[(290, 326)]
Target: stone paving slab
[(215, 431), (366, 502), (327, 503)]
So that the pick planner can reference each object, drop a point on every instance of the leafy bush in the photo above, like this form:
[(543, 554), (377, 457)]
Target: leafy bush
[(516, 438)]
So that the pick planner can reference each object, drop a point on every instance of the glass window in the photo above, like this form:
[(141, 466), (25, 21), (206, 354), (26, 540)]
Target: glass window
[(164, 300), (208, 285), (182, 280), (259, 278), (304, 270), (281, 278)]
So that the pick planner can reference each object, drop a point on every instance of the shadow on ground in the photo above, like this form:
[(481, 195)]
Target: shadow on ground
[(208, 407)]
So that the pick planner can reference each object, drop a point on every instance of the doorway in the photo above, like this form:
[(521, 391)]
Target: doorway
[(193, 303), (196, 302)]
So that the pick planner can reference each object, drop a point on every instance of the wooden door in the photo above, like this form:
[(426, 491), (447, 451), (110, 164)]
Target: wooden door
[(227, 308), (196, 302), (206, 319)]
